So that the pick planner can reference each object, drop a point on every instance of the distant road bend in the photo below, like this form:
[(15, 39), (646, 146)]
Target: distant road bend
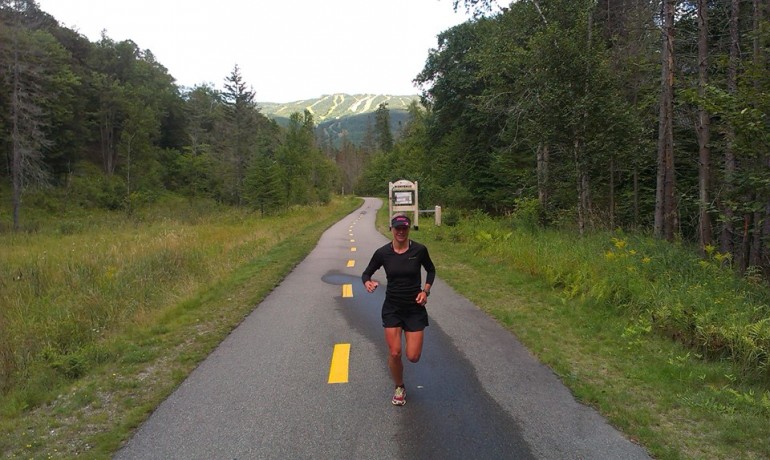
[(265, 392)]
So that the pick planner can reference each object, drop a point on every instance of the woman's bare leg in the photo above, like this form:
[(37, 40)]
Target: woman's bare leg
[(414, 345), (393, 338)]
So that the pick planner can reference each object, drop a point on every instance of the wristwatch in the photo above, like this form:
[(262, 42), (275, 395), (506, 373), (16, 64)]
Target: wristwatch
[(427, 293)]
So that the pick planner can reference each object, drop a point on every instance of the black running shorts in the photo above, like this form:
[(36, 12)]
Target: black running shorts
[(411, 318)]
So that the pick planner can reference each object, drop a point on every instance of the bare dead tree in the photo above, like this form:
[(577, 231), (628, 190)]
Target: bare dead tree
[(28, 139)]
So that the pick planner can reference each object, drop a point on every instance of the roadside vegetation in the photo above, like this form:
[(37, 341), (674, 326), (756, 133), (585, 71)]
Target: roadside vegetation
[(628, 248), (671, 348), (103, 314)]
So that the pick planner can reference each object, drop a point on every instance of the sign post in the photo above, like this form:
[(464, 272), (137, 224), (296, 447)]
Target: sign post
[(403, 197)]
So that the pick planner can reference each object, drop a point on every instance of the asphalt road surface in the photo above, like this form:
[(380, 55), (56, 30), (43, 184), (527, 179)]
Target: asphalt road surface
[(264, 393)]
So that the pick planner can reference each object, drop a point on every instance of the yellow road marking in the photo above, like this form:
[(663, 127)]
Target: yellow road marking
[(338, 371), (353, 249), (352, 241), (351, 263), (347, 290)]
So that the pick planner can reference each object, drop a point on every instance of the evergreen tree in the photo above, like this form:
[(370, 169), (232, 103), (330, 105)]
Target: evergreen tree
[(240, 116), (263, 187), (382, 131), (204, 113), (37, 79)]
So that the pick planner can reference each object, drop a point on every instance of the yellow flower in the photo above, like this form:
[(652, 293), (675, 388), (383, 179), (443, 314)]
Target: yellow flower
[(646, 260), (620, 244)]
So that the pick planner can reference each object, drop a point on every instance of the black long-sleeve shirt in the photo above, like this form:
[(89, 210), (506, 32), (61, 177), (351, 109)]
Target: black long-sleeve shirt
[(403, 271)]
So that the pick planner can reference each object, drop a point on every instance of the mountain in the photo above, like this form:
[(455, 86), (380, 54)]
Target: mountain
[(343, 114), (336, 106)]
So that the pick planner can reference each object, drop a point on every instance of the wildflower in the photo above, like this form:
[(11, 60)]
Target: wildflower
[(646, 260), (620, 244)]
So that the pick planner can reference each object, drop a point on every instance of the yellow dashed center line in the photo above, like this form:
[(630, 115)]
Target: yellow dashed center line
[(338, 371)]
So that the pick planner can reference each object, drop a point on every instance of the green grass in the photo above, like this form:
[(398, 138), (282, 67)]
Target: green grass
[(101, 322), (621, 320), (121, 310)]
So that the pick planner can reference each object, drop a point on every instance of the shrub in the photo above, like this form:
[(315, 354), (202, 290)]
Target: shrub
[(667, 288), (450, 217), (528, 213), (90, 188)]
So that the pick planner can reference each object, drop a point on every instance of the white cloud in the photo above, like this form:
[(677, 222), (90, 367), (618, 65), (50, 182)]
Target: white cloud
[(287, 49)]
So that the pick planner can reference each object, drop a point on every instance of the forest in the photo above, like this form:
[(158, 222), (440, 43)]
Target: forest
[(103, 125), (646, 116)]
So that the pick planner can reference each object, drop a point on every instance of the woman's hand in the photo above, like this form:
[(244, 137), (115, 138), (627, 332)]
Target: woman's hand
[(371, 285), (422, 298)]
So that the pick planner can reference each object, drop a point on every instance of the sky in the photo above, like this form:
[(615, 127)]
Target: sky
[(287, 50)]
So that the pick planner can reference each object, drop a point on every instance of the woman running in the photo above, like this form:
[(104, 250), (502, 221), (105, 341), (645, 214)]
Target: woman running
[(403, 310)]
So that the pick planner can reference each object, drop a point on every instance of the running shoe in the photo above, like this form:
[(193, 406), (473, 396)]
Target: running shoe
[(399, 397)]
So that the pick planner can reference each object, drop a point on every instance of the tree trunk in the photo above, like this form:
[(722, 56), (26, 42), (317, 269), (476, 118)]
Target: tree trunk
[(742, 256), (583, 183), (755, 248), (107, 131), (27, 99), (727, 235), (586, 197), (636, 195), (665, 206), (612, 193), (130, 138), (635, 172), (703, 128), (761, 218), (765, 250), (542, 177), (16, 162), (581, 209)]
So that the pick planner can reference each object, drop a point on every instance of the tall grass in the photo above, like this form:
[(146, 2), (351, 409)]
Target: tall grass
[(666, 288), (69, 286), (666, 345)]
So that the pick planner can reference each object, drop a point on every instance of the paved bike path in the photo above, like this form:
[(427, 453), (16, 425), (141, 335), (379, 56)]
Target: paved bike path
[(263, 393)]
